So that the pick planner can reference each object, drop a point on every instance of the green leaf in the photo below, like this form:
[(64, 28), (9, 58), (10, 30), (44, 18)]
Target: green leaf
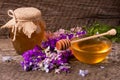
[(101, 28)]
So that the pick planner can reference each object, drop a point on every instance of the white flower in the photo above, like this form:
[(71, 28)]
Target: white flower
[(24, 67), (66, 67), (102, 67), (57, 71), (78, 29), (97, 32), (47, 70), (7, 58), (30, 63), (47, 51), (72, 29), (40, 64), (47, 61), (61, 31), (83, 73), (46, 65)]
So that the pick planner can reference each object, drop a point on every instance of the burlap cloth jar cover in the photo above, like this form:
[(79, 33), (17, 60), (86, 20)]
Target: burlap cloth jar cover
[(27, 28)]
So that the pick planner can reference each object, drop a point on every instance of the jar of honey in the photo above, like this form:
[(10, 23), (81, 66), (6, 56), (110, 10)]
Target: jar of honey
[(27, 28)]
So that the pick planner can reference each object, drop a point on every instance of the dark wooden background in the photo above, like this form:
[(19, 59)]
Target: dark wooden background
[(66, 13)]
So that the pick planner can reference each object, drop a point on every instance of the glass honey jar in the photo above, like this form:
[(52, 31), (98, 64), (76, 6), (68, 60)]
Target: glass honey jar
[(27, 28)]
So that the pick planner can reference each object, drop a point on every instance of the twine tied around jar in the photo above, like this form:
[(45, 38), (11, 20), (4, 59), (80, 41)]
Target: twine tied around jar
[(23, 19)]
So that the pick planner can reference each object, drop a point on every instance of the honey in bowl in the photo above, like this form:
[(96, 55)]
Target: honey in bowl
[(92, 51)]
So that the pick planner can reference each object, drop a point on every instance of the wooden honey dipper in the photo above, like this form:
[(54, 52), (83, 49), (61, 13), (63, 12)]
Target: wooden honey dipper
[(66, 43)]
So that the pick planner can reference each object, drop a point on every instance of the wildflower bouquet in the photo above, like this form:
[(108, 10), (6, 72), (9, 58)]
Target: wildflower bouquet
[(46, 57)]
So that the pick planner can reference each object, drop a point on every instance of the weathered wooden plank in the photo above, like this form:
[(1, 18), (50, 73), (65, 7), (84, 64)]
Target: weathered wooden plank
[(67, 13)]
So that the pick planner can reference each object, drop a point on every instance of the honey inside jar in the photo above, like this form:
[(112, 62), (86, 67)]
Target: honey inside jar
[(92, 51), (23, 43), (26, 27)]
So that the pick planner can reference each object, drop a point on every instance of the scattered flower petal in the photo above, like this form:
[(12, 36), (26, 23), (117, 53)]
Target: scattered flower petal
[(102, 67), (7, 58), (57, 71), (83, 73)]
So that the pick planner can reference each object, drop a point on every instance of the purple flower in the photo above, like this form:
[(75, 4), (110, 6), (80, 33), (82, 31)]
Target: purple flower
[(70, 36), (32, 57), (62, 36), (47, 57), (83, 32)]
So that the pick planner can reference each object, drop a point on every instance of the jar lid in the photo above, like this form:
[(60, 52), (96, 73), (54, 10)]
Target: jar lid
[(22, 19), (27, 13)]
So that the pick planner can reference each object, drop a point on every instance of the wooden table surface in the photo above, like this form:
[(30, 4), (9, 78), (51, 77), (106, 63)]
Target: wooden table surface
[(13, 71)]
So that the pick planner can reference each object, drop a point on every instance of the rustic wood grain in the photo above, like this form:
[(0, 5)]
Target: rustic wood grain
[(14, 71), (67, 13)]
